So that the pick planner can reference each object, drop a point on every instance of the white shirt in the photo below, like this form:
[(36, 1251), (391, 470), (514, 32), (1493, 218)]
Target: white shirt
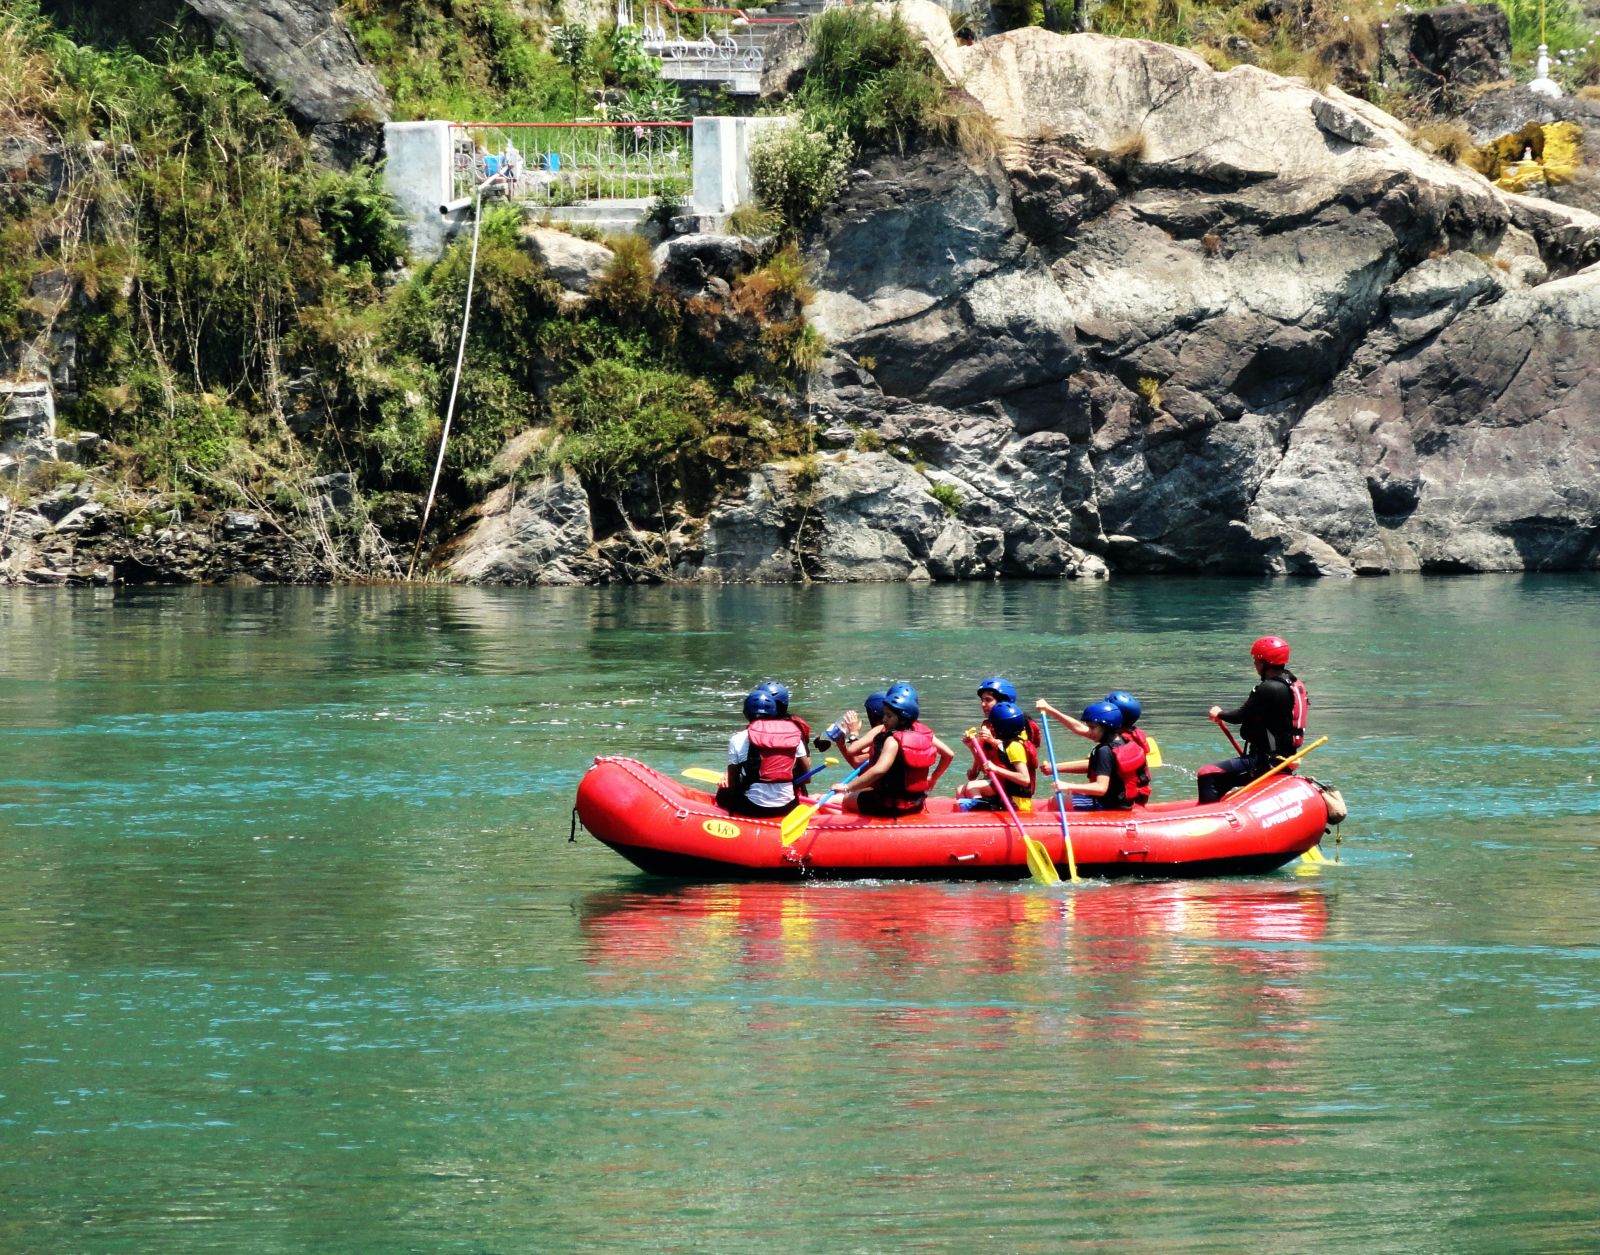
[(762, 792)]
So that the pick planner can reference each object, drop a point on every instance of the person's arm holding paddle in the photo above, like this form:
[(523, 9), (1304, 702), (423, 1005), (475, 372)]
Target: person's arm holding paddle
[(1071, 723), (1046, 766)]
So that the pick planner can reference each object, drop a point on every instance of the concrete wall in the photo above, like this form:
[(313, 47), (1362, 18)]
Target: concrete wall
[(722, 161), (418, 176)]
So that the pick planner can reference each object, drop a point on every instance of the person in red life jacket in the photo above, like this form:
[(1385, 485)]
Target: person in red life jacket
[(1113, 766), (847, 736), (1014, 760), (992, 692), (780, 695), (906, 761), (1272, 722), (763, 761)]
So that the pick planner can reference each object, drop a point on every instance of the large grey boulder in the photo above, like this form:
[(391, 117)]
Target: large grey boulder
[(1184, 321), (572, 262), (305, 52), (28, 427), (1470, 447), (871, 517), (538, 533)]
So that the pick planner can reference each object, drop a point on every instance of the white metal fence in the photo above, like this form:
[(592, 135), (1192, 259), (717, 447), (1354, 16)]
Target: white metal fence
[(568, 163)]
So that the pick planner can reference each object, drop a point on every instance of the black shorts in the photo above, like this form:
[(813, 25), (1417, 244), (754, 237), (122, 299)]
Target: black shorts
[(880, 807), (739, 804)]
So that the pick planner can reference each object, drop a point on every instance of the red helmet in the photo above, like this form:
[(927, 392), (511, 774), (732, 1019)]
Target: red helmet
[(1272, 650)]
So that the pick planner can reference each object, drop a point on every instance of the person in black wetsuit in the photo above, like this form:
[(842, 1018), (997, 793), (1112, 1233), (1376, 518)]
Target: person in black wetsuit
[(1271, 721)]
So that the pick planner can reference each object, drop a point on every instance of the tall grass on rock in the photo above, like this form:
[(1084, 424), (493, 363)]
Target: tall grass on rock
[(796, 170), (870, 79)]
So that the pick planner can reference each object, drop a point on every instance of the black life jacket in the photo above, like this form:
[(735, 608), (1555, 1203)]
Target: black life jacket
[(773, 743), (1273, 742)]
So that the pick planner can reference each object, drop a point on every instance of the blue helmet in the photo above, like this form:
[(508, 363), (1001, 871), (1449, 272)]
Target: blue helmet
[(780, 694), (1128, 704), (760, 704), (1000, 685), (1007, 719), (902, 699), (874, 705), (1106, 713)]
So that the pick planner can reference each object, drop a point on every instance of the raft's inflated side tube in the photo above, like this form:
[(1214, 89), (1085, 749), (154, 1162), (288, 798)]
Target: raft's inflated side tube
[(668, 829)]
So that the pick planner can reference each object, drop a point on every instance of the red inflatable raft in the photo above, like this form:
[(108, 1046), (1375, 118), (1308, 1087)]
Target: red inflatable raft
[(669, 829)]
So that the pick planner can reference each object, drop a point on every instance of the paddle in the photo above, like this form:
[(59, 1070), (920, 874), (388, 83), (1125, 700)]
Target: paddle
[(1237, 748), (1287, 762), (1064, 800), (706, 776), (1039, 865), (795, 823), (1152, 756)]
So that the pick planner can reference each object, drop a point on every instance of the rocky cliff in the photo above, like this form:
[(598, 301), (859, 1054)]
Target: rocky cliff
[(1201, 320), (1194, 319), (1186, 320)]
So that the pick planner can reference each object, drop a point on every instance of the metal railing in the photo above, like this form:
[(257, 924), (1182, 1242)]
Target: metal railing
[(715, 47), (570, 163)]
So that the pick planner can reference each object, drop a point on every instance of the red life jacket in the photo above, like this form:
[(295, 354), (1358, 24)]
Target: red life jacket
[(773, 743), (805, 728), (1133, 767), (912, 774), (1302, 708)]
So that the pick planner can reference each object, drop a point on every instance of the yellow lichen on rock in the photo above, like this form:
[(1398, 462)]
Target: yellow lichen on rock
[(1538, 153)]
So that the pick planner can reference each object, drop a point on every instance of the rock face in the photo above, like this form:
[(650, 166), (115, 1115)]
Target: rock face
[(1201, 320), (1448, 49), (539, 533), (870, 517), (304, 51), (1185, 321)]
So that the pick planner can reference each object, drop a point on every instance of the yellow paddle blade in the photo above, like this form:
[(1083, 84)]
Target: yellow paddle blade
[(703, 774), (1314, 855), (1153, 758), (794, 824), (1039, 864)]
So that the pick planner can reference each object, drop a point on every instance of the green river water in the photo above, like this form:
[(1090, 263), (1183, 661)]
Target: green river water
[(295, 953)]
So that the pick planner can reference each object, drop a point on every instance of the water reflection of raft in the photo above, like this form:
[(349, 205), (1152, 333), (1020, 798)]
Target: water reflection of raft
[(669, 829)]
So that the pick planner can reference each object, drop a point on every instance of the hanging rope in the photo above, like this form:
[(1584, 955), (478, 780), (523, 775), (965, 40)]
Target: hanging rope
[(461, 353)]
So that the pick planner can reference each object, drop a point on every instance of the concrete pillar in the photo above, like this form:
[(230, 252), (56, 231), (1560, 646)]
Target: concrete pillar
[(722, 161), (418, 175)]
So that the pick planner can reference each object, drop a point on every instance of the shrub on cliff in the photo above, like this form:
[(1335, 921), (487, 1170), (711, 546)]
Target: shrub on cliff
[(796, 170), (193, 229), (871, 81)]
